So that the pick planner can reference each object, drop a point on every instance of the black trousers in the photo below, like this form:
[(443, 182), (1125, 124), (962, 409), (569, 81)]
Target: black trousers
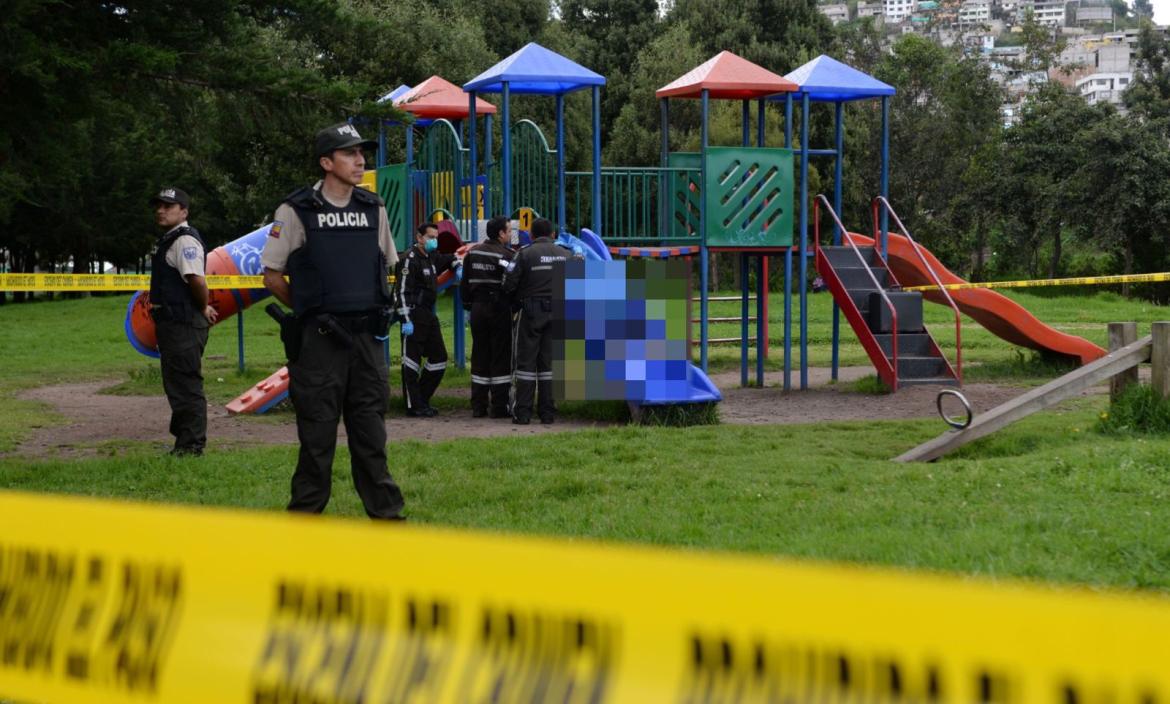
[(327, 382), (491, 356), (533, 351), (180, 348), (419, 379)]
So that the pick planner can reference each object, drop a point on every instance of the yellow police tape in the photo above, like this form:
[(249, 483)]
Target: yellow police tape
[(1032, 283), (116, 602), (113, 282)]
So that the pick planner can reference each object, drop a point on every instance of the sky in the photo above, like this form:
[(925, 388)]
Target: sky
[(1161, 11)]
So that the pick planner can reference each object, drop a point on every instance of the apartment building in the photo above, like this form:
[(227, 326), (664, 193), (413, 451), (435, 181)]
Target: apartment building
[(1104, 87), (898, 10), (1050, 13), (836, 12), (974, 13)]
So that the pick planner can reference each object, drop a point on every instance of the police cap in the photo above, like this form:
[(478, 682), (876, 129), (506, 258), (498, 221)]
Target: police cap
[(172, 195), (340, 136)]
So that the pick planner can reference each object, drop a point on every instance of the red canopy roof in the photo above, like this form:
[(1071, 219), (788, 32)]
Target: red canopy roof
[(728, 77), (438, 98)]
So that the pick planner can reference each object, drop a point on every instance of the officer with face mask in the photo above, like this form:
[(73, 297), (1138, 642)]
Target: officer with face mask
[(334, 242), (421, 334), (535, 278), (491, 321)]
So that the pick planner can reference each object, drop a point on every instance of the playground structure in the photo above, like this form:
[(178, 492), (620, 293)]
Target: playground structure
[(741, 199)]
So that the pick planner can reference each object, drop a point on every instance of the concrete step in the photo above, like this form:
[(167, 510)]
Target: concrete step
[(907, 304), (913, 367), (844, 256), (855, 277), (912, 344)]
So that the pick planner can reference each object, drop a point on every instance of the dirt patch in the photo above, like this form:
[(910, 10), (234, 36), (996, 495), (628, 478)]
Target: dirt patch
[(90, 418)]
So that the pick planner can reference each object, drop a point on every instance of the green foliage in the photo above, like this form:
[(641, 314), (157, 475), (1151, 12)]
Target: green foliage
[(1139, 410), (871, 385)]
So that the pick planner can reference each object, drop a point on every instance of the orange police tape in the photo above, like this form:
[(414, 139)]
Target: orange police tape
[(113, 602)]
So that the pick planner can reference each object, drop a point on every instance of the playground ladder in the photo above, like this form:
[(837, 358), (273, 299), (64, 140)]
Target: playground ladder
[(887, 321)]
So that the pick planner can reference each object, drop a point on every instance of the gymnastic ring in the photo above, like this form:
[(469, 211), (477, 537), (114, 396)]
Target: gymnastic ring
[(958, 425)]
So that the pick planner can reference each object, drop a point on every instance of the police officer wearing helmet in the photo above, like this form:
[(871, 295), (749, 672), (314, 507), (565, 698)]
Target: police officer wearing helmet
[(536, 277), (334, 242), (421, 334), (491, 321), (179, 307)]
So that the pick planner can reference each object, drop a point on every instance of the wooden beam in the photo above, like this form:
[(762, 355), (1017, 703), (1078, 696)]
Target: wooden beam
[(1160, 359), (1120, 335), (1037, 399)]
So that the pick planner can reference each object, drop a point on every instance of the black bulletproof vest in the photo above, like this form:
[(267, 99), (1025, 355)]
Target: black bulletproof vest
[(167, 286), (340, 269)]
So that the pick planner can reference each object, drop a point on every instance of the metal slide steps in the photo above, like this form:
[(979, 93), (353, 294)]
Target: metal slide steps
[(851, 280)]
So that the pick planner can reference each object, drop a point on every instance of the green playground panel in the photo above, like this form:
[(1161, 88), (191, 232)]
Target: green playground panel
[(749, 197), (391, 184), (685, 192)]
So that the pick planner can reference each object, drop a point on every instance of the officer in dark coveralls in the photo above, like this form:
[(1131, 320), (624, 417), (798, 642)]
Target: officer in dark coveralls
[(535, 277), (334, 242), (421, 334), (178, 300), (491, 321)]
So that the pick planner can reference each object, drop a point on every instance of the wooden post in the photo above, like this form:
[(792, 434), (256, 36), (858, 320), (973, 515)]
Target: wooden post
[(1120, 335), (1160, 359)]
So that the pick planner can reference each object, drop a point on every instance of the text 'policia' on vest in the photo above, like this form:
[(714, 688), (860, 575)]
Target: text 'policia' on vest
[(168, 289), (321, 274)]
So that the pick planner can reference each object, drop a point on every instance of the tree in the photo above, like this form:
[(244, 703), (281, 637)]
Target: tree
[(1040, 159)]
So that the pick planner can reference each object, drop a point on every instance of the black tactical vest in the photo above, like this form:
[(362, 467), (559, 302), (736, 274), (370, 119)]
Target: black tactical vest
[(340, 269), (167, 287)]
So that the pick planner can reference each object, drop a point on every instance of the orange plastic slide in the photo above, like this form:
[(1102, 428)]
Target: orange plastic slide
[(1002, 316)]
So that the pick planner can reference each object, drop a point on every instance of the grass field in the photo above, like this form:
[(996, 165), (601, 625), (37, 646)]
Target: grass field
[(1050, 498)]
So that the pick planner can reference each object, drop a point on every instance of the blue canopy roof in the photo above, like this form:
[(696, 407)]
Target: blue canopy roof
[(534, 69), (828, 80), (394, 94)]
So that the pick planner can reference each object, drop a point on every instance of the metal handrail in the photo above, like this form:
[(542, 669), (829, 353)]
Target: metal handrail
[(881, 289), (881, 200)]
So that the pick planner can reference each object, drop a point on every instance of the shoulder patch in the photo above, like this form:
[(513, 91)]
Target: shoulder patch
[(274, 231), (190, 253)]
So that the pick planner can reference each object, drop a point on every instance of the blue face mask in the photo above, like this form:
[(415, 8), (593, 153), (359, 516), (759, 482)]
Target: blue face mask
[(431, 245)]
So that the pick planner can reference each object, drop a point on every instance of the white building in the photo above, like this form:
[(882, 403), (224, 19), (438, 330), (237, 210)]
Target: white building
[(1104, 87), (899, 10), (837, 12), (974, 13), (1049, 13), (1094, 14)]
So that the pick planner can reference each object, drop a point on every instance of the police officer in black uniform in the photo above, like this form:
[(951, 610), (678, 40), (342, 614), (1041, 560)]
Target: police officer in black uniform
[(334, 242), (179, 306), (491, 321), (535, 277), (421, 334)]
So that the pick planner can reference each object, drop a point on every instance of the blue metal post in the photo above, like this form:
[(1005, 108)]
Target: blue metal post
[(488, 163), (460, 333), (597, 161), (239, 331), (473, 170), (506, 134), (761, 314), (838, 180), (745, 288), (561, 223), (409, 185), (704, 255), (761, 275), (788, 263), (788, 120), (803, 281), (664, 180), (885, 169)]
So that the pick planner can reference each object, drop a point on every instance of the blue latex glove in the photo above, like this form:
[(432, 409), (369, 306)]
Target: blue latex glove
[(458, 274), (578, 252), (407, 329)]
